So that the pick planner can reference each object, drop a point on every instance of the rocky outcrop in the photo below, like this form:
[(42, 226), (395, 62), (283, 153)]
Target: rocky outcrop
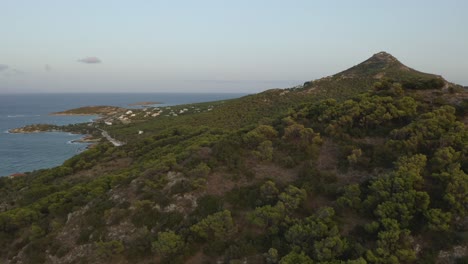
[(451, 256)]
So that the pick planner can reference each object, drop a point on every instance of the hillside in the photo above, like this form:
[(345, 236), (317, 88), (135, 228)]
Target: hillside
[(366, 166), (380, 67)]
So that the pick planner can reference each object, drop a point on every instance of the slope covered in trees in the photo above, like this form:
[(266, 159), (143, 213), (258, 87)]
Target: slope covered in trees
[(376, 175)]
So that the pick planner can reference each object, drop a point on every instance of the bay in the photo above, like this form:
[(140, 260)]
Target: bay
[(28, 152)]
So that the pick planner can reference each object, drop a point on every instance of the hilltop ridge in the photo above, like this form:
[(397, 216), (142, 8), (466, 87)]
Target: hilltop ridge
[(382, 66), (378, 63)]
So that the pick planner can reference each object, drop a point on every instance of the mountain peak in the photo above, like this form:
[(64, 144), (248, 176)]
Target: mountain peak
[(382, 60), (379, 64), (383, 57), (383, 54), (362, 76)]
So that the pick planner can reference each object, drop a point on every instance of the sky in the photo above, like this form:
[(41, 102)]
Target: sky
[(219, 46)]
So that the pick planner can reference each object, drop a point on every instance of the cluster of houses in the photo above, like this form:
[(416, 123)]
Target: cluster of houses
[(181, 111), (131, 114), (151, 113)]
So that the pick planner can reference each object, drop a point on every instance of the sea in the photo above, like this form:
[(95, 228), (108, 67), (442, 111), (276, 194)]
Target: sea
[(28, 152)]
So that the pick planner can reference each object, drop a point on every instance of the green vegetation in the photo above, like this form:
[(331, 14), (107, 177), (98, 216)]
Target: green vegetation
[(375, 175)]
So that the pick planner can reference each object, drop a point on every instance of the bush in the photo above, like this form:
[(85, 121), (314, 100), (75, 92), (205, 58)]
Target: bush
[(208, 204), (424, 84), (168, 243), (109, 249)]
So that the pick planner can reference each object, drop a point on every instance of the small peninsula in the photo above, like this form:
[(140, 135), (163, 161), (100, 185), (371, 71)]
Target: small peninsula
[(35, 128), (104, 110)]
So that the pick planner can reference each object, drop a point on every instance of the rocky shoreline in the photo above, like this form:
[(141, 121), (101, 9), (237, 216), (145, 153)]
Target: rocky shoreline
[(86, 139)]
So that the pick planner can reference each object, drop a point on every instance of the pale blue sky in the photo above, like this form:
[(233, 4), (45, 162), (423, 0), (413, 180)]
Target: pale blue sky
[(223, 46)]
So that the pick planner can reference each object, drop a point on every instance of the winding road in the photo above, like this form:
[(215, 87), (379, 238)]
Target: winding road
[(112, 140)]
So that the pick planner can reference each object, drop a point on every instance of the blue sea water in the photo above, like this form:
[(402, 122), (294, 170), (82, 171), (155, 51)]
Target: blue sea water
[(28, 152)]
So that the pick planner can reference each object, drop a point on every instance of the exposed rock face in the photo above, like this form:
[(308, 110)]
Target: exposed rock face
[(451, 256), (382, 57)]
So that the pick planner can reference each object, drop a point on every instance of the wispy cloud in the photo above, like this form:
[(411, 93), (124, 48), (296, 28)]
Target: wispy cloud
[(90, 60), (3, 67)]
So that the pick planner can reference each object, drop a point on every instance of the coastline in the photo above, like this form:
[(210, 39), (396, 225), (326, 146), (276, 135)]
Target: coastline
[(72, 114), (86, 139), (57, 102)]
